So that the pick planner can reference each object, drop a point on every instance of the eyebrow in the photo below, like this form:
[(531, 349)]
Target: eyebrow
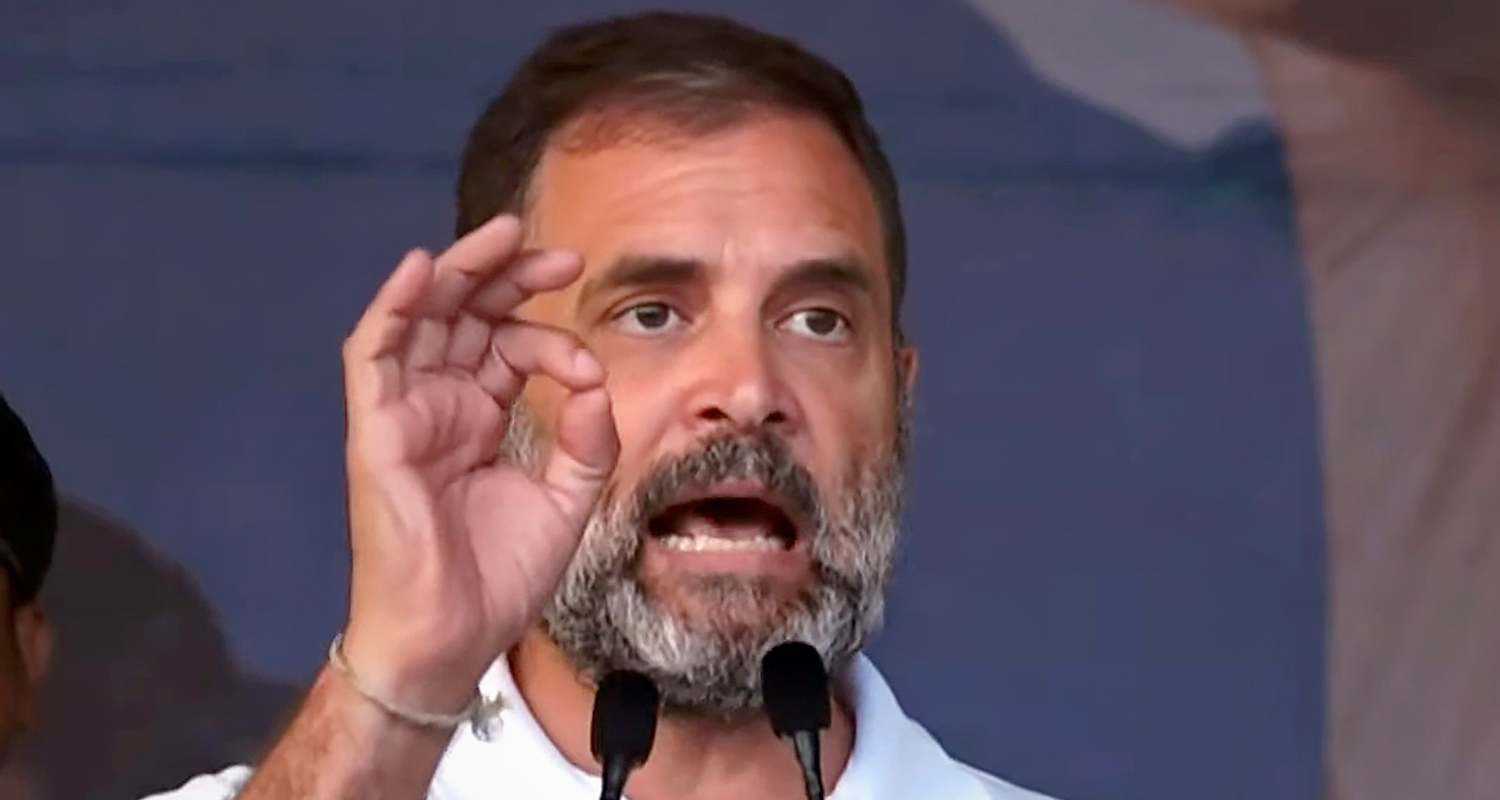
[(840, 274), (629, 271), (843, 273)]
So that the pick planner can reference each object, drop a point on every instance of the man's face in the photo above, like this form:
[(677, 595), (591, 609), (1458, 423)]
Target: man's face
[(736, 290)]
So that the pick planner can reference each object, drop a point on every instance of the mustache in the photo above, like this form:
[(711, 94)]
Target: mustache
[(761, 457)]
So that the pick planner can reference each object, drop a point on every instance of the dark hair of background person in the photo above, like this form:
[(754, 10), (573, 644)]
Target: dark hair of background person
[(697, 73), (28, 509)]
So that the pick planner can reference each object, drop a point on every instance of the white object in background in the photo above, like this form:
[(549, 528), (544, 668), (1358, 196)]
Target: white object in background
[(1182, 78)]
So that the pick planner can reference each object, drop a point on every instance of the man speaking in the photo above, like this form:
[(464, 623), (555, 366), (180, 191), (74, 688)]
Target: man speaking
[(648, 414)]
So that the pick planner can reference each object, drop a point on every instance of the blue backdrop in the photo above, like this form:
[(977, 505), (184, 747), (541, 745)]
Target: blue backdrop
[(1112, 584)]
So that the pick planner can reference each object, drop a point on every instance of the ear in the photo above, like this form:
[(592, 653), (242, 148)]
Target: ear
[(906, 371), (34, 639)]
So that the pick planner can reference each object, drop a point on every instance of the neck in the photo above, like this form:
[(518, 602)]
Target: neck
[(693, 758)]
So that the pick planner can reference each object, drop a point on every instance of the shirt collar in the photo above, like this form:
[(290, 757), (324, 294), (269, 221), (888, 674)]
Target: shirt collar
[(892, 756)]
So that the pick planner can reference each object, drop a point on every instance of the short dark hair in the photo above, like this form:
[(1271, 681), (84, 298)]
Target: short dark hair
[(28, 509), (698, 73)]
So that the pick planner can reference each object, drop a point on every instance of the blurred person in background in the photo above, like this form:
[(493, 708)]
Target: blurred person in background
[(28, 526)]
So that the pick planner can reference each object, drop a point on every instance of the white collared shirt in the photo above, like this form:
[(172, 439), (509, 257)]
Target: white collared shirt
[(894, 758)]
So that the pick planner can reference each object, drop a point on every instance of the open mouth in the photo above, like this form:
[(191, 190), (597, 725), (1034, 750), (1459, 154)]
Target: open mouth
[(724, 524)]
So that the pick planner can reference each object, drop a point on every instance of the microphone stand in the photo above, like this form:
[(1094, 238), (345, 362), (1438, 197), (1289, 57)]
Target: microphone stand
[(794, 686), (809, 758), (624, 727)]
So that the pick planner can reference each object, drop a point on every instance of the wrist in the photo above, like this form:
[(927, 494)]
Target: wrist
[(366, 721), (426, 682), (480, 713)]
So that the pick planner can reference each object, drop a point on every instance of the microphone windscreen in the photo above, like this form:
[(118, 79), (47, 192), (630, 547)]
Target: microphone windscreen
[(794, 685), (624, 723)]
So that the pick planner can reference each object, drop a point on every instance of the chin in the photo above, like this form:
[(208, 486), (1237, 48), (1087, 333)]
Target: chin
[(733, 606)]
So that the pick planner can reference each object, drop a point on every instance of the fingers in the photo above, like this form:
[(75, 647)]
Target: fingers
[(587, 446), (370, 373), (434, 313), (459, 342), (385, 323), (468, 343), (469, 263), (519, 350), (487, 272), (533, 272)]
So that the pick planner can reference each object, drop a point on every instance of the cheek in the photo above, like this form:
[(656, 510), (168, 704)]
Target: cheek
[(644, 408), (850, 417)]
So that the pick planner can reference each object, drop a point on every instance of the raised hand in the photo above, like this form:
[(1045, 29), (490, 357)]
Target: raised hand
[(455, 551)]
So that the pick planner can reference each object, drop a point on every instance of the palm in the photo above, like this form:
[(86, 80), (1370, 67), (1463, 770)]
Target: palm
[(507, 538), (444, 426)]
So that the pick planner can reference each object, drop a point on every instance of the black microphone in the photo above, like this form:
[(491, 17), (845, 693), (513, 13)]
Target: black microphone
[(623, 728), (794, 685)]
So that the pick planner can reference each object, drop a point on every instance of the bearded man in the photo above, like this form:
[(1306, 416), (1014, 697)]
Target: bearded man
[(647, 412)]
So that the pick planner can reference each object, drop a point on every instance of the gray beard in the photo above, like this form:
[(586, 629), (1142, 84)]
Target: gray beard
[(708, 663)]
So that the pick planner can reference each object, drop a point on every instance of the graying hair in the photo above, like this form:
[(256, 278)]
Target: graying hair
[(602, 618)]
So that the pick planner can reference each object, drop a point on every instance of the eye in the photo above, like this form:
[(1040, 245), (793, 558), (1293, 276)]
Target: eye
[(822, 324), (648, 319)]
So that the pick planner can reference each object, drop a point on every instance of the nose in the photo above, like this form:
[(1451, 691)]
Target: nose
[(739, 386)]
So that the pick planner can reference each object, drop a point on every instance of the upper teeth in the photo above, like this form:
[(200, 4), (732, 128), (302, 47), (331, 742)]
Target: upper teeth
[(700, 544)]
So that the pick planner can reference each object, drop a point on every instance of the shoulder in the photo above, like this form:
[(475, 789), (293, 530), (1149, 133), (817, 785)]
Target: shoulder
[(894, 756), (219, 786), (998, 789)]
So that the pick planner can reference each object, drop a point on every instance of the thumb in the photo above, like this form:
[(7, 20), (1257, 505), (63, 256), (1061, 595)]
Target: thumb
[(584, 452)]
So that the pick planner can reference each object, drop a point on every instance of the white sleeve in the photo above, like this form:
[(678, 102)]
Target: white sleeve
[(222, 786), (1000, 790)]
